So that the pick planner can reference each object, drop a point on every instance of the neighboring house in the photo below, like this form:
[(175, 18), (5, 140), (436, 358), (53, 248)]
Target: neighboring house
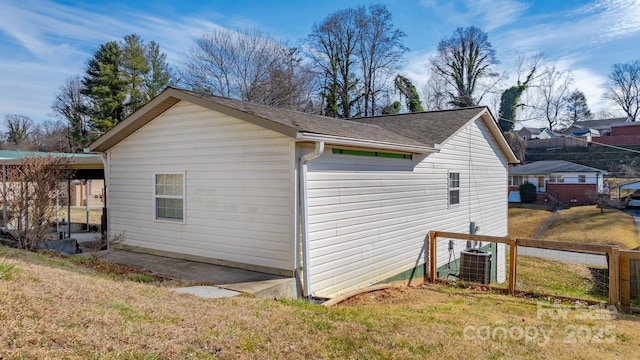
[(87, 193), (586, 134), (559, 180), (625, 130), (528, 133), (599, 127), (548, 134), (337, 204)]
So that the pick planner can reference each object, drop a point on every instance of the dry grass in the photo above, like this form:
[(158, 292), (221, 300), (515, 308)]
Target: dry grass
[(561, 278), (586, 224), (79, 215), (524, 222), (51, 308)]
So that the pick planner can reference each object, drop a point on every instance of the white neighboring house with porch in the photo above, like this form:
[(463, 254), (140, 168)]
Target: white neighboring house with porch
[(334, 203), (559, 181)]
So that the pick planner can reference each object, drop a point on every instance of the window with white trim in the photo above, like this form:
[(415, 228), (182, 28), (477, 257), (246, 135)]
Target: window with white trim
[(454, 188), (582, 178), (515, 180), (168, 196), (556, 178)]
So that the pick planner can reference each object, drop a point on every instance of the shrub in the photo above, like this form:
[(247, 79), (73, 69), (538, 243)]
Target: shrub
[(528, 193)]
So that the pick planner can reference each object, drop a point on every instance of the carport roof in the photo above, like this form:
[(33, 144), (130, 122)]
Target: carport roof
[(630, 185), (77, 161)]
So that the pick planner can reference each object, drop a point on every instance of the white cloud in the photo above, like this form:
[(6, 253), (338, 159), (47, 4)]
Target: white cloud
[(54, 41), (496, 13)]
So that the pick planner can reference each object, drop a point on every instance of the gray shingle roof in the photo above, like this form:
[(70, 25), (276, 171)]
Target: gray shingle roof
[(314, 124), (551, 166), (601, 124), (418, 132), (429, 128)]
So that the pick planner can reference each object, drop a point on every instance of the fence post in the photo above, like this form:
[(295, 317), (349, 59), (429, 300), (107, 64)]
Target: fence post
[(513, 255), (433, 268), (614, 269), (625, 284)]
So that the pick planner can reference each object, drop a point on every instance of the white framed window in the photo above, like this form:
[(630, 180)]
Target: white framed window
[(582, 178), (556, 178), (515, 180), (454, 188), (169, 196)]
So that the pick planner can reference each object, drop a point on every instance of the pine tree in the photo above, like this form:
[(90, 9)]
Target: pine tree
[(577, 108), (159, 75), (121, 78), (105, 86), (135, 67)]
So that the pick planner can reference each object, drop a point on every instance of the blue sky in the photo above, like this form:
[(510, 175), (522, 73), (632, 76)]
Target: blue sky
[(42, 43)]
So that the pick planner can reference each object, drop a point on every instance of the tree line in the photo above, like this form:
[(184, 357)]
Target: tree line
[(347, 66)]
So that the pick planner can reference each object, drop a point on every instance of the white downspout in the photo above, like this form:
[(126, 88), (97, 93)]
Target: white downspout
[(304, 215)]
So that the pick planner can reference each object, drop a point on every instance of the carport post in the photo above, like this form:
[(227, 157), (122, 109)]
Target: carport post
[(69, 208), (4, 195)]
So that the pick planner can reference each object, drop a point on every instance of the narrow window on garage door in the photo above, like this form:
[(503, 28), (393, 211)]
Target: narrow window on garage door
[(169, 196)]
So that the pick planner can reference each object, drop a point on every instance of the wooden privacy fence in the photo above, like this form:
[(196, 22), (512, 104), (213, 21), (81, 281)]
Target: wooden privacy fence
[(613, 252)]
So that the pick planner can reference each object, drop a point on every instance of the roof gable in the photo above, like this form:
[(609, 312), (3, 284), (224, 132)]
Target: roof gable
[(434, 128)]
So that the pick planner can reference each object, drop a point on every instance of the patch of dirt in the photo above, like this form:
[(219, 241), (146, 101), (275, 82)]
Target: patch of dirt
[(375, 297)]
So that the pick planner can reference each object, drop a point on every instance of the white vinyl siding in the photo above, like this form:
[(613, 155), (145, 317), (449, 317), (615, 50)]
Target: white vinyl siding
[(239, 188), (369, 218)]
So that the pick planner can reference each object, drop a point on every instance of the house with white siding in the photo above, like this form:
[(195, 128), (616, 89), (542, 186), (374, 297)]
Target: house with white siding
[(336, 204), (560, 181)]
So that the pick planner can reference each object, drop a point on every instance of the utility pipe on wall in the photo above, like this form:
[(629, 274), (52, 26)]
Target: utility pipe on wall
[(304, 160)]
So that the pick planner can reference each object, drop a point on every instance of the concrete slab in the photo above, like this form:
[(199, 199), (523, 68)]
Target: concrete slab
[(197, 273), (276, 288), (207, 292)]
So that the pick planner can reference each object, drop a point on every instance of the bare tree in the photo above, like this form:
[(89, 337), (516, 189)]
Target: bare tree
[(52, 136), (19, 129), (464, 60), (553, 90), (247, 65), (435, 92), (73, 106), (624, 88), (380, 50), (356, 52), (33, 187), (332, 47)]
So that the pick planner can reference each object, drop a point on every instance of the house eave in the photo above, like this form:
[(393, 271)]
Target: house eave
[(360, 143), (493, 127)]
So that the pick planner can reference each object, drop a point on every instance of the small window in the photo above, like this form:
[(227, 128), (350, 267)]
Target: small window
[(582, 178), (556, 178), (454, 188), (515, 180), (169, 196)]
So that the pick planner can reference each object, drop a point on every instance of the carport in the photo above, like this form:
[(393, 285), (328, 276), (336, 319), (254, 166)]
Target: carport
[(631, 185), (85, 167)]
